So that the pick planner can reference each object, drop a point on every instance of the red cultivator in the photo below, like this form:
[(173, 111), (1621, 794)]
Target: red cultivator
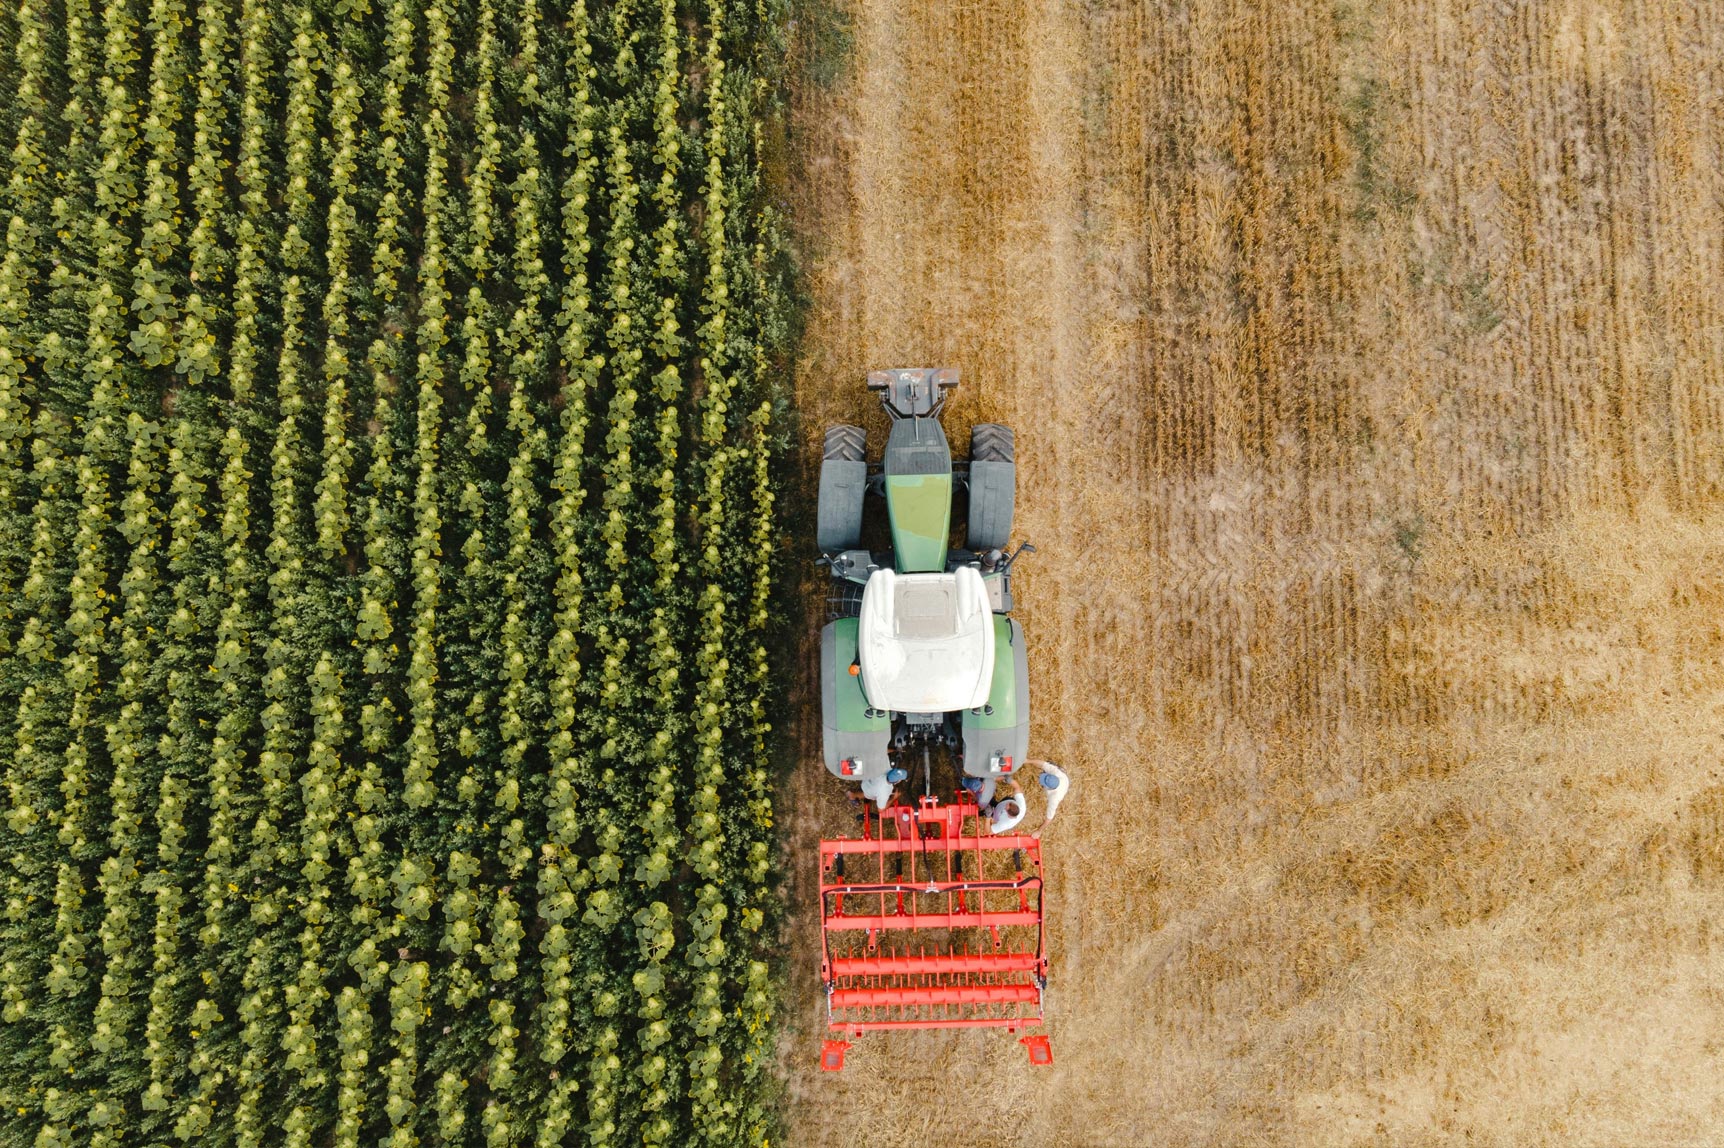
[(929, 921)]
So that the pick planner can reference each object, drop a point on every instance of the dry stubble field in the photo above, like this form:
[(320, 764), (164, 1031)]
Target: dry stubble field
[(1365, 360)]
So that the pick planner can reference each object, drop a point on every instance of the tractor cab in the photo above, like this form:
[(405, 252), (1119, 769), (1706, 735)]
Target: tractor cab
[(926, 641)]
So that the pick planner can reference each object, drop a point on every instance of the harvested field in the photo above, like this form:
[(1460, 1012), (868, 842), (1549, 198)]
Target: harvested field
[(1367, 365)]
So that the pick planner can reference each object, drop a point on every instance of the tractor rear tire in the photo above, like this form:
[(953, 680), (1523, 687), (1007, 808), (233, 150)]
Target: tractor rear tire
[(843, 483), (993, 487)]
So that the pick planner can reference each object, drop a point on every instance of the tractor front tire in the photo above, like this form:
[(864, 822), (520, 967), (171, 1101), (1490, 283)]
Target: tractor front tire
[(993, 486), (991, 442), (845, 443), (843, 483)]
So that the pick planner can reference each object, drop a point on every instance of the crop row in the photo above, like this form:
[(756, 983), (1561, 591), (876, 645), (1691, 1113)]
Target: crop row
[(387, 545)]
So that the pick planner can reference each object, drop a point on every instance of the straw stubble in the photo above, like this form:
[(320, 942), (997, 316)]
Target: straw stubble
[(1365, 365)]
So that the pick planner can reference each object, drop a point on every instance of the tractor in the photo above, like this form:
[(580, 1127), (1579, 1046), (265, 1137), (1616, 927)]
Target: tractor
[(932, 917)]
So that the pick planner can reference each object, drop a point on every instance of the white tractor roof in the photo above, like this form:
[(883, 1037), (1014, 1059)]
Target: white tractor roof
[(926, 641)]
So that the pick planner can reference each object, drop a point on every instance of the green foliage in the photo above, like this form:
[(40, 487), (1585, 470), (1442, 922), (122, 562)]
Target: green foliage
[(387, 555)]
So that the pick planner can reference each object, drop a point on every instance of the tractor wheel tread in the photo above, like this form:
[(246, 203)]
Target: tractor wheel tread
[(991, 442), (846, 443)]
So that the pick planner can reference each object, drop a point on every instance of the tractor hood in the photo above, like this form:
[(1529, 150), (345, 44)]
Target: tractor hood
[(926, 641)]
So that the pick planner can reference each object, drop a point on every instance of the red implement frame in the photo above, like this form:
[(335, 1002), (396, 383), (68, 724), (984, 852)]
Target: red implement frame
[(930, 921)]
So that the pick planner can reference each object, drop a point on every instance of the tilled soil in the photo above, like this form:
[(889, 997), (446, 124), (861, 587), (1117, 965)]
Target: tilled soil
[(1365, 363)]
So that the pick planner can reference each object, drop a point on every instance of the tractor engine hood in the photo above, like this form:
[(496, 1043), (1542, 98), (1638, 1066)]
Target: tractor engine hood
[(926, 641)]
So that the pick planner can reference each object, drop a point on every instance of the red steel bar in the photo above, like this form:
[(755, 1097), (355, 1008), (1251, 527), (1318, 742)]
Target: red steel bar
[(938, 963), (948, 994), (1010, 1024), (993, 844), (915, 920)]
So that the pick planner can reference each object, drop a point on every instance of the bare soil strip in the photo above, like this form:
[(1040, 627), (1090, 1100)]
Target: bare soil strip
[(1367, 366)]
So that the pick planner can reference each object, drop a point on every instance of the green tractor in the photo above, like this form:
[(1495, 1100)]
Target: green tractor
[(932, 917), (921, 653)]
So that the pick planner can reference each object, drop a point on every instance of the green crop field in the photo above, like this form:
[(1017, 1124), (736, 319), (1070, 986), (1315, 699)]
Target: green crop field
[(387, 446)]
